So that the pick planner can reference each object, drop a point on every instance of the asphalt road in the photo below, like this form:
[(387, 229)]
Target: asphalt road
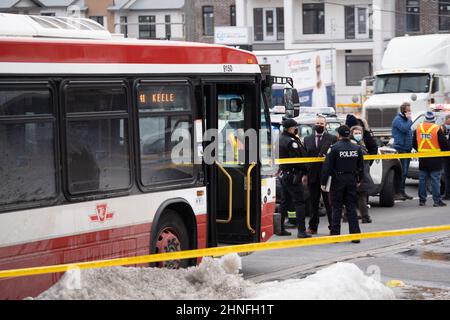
[(387, 254)]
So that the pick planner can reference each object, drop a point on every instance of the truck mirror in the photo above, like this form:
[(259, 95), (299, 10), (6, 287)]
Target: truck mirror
[(364, 87), (413, 97), (435, 87)]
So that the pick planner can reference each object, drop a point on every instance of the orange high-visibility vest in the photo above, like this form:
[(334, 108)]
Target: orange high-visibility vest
[(427, 137)]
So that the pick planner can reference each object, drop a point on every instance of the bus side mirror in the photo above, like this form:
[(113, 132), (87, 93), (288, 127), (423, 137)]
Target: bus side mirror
[(235, 105), (292, 102), (435, 87)]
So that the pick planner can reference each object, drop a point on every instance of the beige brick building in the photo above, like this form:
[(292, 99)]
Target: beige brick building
[(98, 11)]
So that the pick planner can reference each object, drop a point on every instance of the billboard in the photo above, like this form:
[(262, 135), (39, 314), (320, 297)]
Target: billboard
[(313, 75)]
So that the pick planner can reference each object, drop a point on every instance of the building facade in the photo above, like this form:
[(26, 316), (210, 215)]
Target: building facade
[(357, 31), (97, 10), (203, 16), (145, 19), (416, 17), (61, 8)]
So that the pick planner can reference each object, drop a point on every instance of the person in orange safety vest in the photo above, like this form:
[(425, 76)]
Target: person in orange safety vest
[(428, 138)]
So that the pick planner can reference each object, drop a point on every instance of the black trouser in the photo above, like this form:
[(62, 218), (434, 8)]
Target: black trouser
[(362, 205), (292, 192), (315, 191), (447, 178), (343, 192)]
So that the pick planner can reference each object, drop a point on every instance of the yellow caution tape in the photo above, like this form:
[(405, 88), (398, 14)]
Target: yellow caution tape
[(395, 283), (387, 156), (220, 251), (350, 105)]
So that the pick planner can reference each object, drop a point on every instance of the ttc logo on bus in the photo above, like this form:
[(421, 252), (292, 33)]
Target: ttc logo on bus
[(102, 213)]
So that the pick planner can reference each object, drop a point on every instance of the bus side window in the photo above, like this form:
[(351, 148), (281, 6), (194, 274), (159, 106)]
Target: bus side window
[(27, 144), (97, 141), (165, 131)]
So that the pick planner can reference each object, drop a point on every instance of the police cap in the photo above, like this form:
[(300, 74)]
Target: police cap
[(343, 131), (289, 123)]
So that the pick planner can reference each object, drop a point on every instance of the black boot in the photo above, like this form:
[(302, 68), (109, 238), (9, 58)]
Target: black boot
[(366, 219), (303, 234), (284, 233)]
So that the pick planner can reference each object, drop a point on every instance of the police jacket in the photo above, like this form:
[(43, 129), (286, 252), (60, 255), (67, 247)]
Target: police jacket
[(343, 157), (291, 147)]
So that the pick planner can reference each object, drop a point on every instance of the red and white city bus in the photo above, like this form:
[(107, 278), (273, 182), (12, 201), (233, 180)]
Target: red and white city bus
[(86, 136)]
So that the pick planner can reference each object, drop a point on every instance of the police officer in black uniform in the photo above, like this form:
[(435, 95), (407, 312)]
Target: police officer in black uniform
[(291, 176), (345, 164)]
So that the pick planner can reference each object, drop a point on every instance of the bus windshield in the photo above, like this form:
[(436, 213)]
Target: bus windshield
[(397, 83)]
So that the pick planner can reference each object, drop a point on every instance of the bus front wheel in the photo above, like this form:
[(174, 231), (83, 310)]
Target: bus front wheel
[(171, 236)]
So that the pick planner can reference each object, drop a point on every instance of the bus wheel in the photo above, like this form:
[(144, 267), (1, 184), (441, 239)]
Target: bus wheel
[(171, 236)]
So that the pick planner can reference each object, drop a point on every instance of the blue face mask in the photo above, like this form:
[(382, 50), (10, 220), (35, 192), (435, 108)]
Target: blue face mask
[(357, 137), (447, 126)]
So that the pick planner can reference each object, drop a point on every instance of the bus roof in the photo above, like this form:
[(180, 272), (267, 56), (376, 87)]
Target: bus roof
[(72, 54)]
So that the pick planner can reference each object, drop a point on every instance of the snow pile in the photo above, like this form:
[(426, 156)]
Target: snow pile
[(342, 281), (213, 279)]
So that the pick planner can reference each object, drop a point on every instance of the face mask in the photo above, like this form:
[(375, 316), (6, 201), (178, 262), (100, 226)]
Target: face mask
[(357, 137), (319, 129), (447, 126)]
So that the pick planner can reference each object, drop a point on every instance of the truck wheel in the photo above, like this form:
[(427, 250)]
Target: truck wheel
[(171, 236), (388, 191)]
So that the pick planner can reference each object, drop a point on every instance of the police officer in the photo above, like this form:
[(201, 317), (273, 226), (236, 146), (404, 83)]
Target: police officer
[(344, 163), (291, 177)]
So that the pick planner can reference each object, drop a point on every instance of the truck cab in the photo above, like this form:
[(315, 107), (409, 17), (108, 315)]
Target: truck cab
[(415, 70)]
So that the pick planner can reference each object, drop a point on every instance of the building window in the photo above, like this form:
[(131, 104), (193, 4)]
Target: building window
[(349, 22), (444, 15), (412, 15), (98, 19), (48, 14), (356, 22), (258, 28), (356, 68), (147, 27), (124, 26), (168, 26), (208, 20), (233, 15), (313, 18), (268, 24), (280, 23)]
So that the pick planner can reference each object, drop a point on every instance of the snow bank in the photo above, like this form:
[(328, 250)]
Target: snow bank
[(342, 281), (213, 279)]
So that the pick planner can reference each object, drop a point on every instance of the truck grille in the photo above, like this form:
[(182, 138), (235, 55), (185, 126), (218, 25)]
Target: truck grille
[(381, 118)]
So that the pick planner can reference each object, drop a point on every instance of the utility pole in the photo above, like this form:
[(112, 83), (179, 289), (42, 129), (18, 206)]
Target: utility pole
[(378, 39)]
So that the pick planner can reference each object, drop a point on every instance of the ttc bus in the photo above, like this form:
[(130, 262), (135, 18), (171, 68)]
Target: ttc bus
[(87, 125)]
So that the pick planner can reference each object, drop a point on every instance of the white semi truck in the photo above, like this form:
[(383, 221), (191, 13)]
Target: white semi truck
[(415, 69)]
